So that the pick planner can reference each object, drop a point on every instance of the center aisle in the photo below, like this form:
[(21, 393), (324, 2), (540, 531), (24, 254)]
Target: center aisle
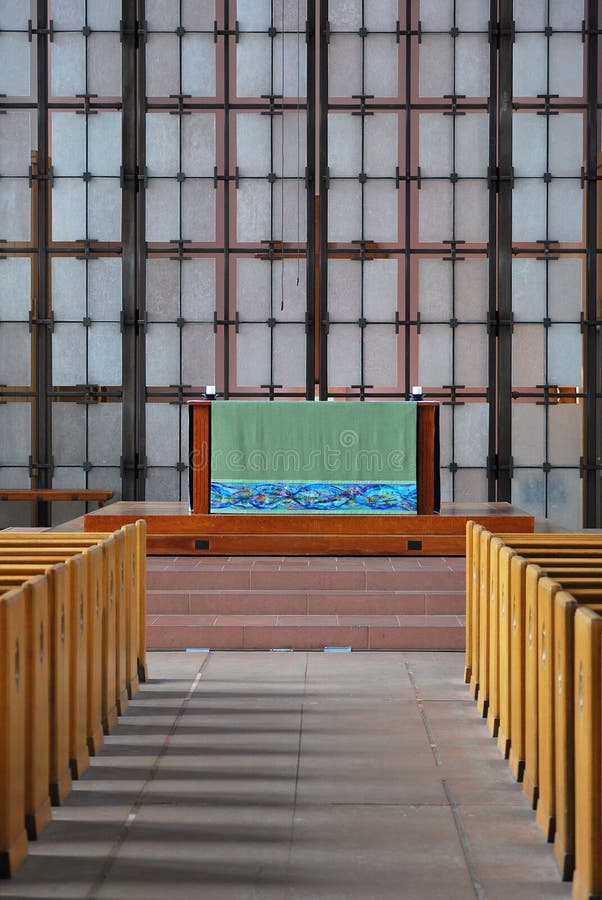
[(305, 776)]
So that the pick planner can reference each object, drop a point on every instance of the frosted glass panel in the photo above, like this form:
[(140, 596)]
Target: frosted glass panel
[(104, 424), (68, 65), (472, 146), (566, 144), (472, 289), (565, 289), (104, 209), (68, 14), (253, 211), (435, 211), (564, 498), (105, 15), (528, 491), (472, 15), (528, 355), (162, 65), (198, 144), (530, 65), (472, 211), (344, 144), (529, 211), (436, 144), (344, 289), (566, 423), (69, 355), (14, 15), (104, 65), (162, 144), (16, 142), (380, 289), (380, 16), (15, 428), (15, 288), (380, 211), (15, 73), (198, 354), (472, 65), (161, 484), (344, 211), (289, 355), (198, 65), (104, 143), (15, 210), (529, 289), (253, 56), (529, 144), (162, 431), (15, 353), (528, 434), (434, 289), (104, 289), (436, 65), (436, 15), (162, 355), (253, 144), (343, 356), (254, 15), (380, 356), (471, 434), (566, 15), (198, 211), (162, 211), (344, 66), (252, 355), (564, 359), (434, 350), (470, 486), (68, 144), (471, 355), (566, 211), (69, 433), (380, 65), (530, 15), (198, 289), (68, 288), (566, 64), (162, 289), (253, 289), (68, 210), (104, 354)]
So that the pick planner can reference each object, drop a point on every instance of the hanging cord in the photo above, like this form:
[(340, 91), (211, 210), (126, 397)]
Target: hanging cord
[(298, 140), (282, 176)]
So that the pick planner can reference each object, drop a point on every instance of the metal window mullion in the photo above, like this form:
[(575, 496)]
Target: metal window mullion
[(408, 206), (226, 189), (323, 172), (592, 444), (310, 248)]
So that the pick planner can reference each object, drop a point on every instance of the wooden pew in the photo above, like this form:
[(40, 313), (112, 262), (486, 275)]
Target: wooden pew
[(13, 836)]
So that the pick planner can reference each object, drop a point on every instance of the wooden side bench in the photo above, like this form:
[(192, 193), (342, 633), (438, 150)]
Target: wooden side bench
[(42, 499)]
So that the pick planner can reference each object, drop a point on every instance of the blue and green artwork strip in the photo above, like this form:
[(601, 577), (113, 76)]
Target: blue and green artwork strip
[(313, 497)]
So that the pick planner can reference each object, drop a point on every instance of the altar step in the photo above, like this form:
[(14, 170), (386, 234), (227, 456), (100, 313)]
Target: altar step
[(300, 603)]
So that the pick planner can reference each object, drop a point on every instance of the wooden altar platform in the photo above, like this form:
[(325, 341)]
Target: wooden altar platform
[(174, 530)]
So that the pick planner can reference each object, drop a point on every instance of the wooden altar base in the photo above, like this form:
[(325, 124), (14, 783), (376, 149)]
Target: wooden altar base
[(174, 530)]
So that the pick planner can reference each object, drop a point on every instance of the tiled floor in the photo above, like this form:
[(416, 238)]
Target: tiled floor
[(295, 776)]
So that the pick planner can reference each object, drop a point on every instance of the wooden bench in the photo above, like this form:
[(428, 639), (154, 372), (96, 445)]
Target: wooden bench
[(42, 499)]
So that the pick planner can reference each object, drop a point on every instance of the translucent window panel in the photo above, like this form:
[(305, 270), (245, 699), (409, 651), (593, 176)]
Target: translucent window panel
[(472, 146), (104, 65), (344, 289), (434, 355), (107, 479), (445, 437), (162, 355), (565, 289), (380, 65), (289, 355), (470, 486), (528, 491), (68, 288), (472, 65), (253, 213), (68, 148), (104, 143), (529, 289), (198, 211), (256, 14), (15, 428), (528, 343), (434, 289), (566, 425), (436, 65), (379, 16), (68, 14), (295, 76), (162, 65), (566, 64), (104, 16), (381, 201), (252, 355), (344, 144), (344, 66), (69, 433), (528, 434), (446, 485), (566, 211), (259, 144), (162, 210), (15, 210), (104, 289), (198, 354), (565, 490), (198, 288), (530, 15), (566, 144), (471, 434), (162, 289), (104, 209), (343, 356), (69, 355), (472, 211), (16, 142), (162, 433), (566, 15), (380, 289), (530, 65), (253, 65), (198, 144), (529, 211), (436, 144), (471, 355), (162, 144), (68, 210), (15, 74), (253, 289), (529, 144), (436, 15), (344, 211), (15, 354), (14, 15), (104, 430), (472, 15), (164, 15), (472, 289), (198, 65), (161, 484), (380, 356), (435, 211), (564, 354), (381, 145), (15, 288), (68, 65), (104, 354)]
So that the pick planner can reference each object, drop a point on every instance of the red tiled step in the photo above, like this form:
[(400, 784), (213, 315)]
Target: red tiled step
[(255, 632)]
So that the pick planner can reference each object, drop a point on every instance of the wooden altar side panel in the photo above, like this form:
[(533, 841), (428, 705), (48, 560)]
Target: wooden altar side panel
[(200, 450)]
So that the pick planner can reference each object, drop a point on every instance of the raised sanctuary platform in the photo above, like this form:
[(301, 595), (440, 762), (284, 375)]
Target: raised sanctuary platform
[(174, 530)]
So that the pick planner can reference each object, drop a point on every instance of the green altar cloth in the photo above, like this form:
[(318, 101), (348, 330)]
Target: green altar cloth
[(339, 457)]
